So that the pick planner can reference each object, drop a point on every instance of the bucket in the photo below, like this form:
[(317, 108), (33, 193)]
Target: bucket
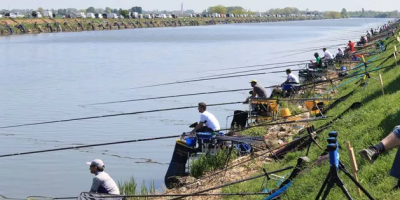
[(309, 105), (285, 112), (191, 141), (273, 107)]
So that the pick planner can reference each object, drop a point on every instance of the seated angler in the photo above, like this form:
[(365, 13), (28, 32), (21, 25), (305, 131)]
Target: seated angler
[(287, 86), (318, 62), (340, 53), (257, 92), (328, 56), (208, 122), (102, 182)]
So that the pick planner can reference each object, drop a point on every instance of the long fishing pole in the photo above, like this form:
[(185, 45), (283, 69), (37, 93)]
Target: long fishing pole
[(225, 77), (236, 182), (264, 68), (260, 65), (198, 193), (197, 80), (115, 115), (253, 70), (167, 195), (143, 140), (87, 146)]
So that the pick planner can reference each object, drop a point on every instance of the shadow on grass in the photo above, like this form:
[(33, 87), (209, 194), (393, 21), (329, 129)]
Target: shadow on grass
[(389, 123), (390, 88)]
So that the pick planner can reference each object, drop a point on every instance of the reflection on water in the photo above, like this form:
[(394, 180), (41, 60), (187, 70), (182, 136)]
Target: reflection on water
[(46, 77)]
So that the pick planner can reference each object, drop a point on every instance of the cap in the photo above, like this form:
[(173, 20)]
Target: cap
[(96, 162), (253, 81)]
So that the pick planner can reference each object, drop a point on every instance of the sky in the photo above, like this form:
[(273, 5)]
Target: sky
[(200, 5)]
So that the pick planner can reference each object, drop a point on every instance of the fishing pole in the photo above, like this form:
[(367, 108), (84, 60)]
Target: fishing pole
[(236, 182), (260, 65), (196, 80), (268, 68), (167, 195), (115, 115), (215, 92), (143, 140), (213, 78), (87, 146)]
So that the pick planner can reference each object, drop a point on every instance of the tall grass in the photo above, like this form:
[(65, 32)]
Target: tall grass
[(130, 187), (207, 162)]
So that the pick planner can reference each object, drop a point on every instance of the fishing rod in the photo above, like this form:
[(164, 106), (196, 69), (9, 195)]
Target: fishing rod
[(164, 195), (143, 140), (266, 68), (199, 193), (310, 48), (213, 78), (181, 95), (236, 182), (114, 115), (196, 80), (260, 65), (87, 146), (204, 93), (216, 75)]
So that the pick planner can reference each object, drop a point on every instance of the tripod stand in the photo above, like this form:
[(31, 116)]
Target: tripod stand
[(333, 176), (311, 135)]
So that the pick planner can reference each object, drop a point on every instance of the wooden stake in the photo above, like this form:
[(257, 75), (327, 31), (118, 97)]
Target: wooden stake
[(395, 58), (381, 81), (354, 167)]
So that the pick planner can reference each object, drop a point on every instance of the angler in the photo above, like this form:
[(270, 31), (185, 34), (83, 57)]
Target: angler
[(288, 87), (102, 182)]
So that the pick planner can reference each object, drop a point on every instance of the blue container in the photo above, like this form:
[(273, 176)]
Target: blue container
[(191, 141), (343, 68), (287, 87)]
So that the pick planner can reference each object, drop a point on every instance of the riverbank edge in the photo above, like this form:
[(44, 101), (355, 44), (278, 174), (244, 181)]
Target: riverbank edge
[(37, 26)]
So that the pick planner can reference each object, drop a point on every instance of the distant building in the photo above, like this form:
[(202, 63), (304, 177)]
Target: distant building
[(48, 13)]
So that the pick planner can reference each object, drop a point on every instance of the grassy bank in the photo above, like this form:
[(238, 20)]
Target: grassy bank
[(362, 127), (72, 25)]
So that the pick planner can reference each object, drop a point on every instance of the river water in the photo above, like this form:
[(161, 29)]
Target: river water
[(50, 76)]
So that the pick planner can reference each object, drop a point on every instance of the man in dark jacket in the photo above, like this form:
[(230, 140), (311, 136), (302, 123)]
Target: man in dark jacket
[(390, 142)]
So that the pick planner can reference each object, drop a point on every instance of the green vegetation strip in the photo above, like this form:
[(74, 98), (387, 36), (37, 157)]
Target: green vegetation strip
[(362, 127)]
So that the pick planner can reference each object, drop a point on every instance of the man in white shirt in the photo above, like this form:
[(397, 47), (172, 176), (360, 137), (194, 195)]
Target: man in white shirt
[(327, 54), (287, 86), (208, 122), (102, 182), (291, 78)]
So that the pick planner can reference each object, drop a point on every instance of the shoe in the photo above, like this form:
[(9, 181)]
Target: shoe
[(370, 154)]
